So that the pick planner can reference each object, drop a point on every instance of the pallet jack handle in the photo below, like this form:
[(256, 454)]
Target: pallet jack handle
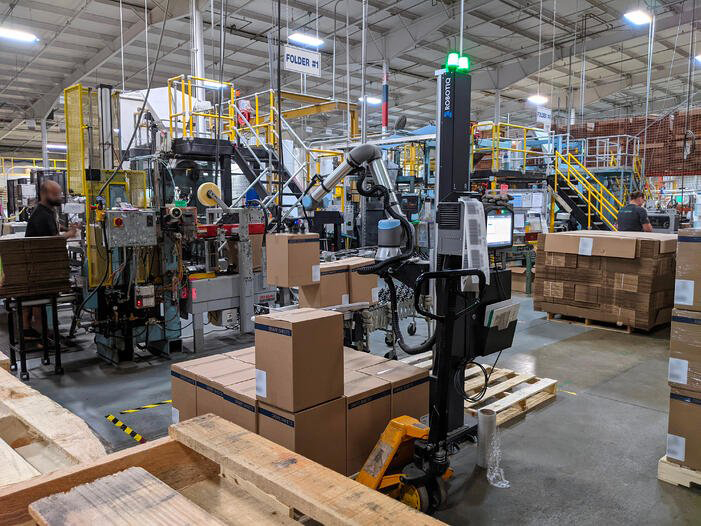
[(448, 274)]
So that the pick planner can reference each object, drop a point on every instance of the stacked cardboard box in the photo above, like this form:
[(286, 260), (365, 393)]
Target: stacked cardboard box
[(622, 277), (305, 391), (33, 265), (684, 432), (340, 283), (292, 260)]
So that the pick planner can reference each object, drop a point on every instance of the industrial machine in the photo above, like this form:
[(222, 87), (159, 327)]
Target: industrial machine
[(468, 227), (160, 242), (665, 221)]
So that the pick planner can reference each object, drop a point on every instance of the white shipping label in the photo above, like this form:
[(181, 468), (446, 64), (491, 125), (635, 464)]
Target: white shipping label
[(345, 299), (316, 273), (174, 415), (585, 246), (678, 371), (261, 383), (375, 294), (684, 291), (676, 447)]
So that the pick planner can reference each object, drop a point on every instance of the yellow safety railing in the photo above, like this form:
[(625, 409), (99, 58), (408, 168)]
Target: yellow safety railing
[(183, 114), (513, 136), (598, 198), (9, 164)]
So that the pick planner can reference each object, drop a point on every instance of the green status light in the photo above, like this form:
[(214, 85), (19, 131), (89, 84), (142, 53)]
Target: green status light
[(464, 64), (453, 60)]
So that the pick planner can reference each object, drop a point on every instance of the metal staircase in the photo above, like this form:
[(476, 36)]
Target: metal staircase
[(593, 205)]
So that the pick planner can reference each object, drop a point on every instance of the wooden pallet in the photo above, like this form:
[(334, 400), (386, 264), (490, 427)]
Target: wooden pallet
[(678, 475), (509, 393), (587, 322), (37, 435), (207, 465)]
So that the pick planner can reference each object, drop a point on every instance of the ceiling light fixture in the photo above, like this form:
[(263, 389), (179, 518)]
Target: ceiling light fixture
[(56, 147), (537, 99), (638, 17), (20, 36), (373, 101), (305, 39)]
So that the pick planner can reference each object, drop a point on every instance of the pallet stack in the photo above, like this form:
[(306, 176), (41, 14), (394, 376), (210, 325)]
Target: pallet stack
[(682, 464), (622, 277), (31, 266)]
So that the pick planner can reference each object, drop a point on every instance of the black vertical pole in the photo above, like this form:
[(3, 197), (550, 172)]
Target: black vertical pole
[(280, 162)]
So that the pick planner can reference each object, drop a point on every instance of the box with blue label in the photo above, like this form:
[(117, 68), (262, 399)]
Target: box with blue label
[(318, 433), (292, 260), (299, 358), (183, 380), (410, 387)]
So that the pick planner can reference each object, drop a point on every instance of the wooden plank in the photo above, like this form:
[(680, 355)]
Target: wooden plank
[(501, 387), (166, 459), (132, 497), (232, 504), (528, 404), (4, 361), (50, 421), (13, 467), (316, 491), (520, 395), (678, 475)]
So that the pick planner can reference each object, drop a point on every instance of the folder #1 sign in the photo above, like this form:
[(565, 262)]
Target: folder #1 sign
[(302, 61)]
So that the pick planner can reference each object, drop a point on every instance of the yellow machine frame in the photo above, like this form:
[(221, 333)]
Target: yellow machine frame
[(80, 108)]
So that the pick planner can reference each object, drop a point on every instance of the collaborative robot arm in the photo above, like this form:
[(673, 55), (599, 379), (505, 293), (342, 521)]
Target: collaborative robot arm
[(365, 154)]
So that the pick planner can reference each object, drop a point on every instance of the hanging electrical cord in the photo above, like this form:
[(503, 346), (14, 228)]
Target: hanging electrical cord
[(146, 96)]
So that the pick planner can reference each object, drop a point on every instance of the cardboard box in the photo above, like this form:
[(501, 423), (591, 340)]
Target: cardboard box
[(256, 252), (299, 358), (518, 279), (247, 355), (183, 385), (332, 288), (239, 404), (687, 285), (611, 244), (292, 260), (362, 287), (684, 431), (355, 360), (318, 433), (368, 410), (685, 350), (210, 384), (410, 387)]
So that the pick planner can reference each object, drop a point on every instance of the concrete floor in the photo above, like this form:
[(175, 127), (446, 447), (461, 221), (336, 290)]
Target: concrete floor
[(588, 457)]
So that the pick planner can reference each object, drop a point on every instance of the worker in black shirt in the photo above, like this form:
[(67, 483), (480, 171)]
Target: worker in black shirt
[(44, 222), (633, 217), (44, 219)]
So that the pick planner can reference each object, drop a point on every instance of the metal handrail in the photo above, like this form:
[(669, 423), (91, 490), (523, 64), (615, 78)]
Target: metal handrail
[(595, 198)]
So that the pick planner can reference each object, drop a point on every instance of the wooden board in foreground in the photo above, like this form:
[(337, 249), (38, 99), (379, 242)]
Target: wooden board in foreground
[(675, 474), (132, 497), (40, 431), (315, 491), (13, 467), (509, 393)]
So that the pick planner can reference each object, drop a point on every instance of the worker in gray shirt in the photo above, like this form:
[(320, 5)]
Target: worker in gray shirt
[(633, 217)]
